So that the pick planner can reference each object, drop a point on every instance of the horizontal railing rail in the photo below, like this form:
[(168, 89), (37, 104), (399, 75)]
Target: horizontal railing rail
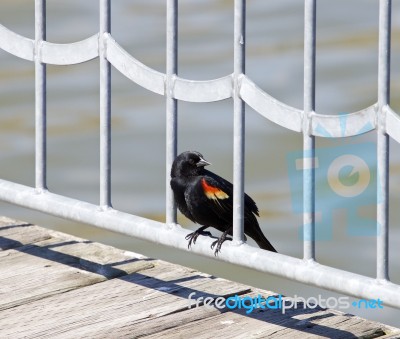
[(242, 90)]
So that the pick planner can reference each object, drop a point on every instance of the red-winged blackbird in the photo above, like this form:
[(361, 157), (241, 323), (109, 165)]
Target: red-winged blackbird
[(207, 199)]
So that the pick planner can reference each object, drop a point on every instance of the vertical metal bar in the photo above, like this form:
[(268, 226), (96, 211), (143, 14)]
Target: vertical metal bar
[(105, 107), (309, 140), (40, 98), (171, 103), (238, 121), (383, 140)]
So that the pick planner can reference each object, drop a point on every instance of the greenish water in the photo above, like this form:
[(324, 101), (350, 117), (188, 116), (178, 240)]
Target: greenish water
[(346, 82)]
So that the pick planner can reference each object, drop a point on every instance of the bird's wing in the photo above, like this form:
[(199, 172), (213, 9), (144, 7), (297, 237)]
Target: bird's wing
[(226, 186), (214, 190), (219, 194), (213, 198)]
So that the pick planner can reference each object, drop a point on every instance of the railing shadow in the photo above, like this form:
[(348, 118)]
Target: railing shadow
[(173, 287)]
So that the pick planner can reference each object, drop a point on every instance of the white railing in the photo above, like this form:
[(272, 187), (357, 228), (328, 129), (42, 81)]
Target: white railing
[(379, 117)]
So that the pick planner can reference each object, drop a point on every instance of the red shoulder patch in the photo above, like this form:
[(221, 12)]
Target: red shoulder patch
[(212, 192)]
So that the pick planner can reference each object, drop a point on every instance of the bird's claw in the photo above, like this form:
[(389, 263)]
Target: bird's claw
[(192, 237), (218, 244)]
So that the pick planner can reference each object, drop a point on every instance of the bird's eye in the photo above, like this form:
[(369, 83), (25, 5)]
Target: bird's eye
[(191, 161)]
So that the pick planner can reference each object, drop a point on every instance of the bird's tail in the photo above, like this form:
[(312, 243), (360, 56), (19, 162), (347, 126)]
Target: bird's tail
[(265, 244), (258, 236)]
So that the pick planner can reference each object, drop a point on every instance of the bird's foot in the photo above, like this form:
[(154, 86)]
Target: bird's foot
[(192, 237), (218, 243)]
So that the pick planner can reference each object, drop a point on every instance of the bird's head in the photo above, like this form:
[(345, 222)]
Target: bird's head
[(188, 163)]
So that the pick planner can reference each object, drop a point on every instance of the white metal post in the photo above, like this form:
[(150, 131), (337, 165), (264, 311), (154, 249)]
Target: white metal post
[(383, 141), (40, 97), (308, 138), (105, 107), (238, 120), (171, 104)]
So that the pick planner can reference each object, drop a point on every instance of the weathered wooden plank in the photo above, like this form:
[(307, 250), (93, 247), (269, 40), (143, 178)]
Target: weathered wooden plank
[(295, 323), (113, 304), (188, 316), (14, 233), (55, 285), (59, 264), (267, 324)]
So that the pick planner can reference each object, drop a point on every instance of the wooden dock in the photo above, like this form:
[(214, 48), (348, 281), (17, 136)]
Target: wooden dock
[(54, 285)]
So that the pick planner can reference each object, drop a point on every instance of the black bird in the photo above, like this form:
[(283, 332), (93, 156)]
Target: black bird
[(207, 199)]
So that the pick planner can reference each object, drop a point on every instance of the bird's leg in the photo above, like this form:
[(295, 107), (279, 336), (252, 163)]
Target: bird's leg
[(218, 243), (192, 237)]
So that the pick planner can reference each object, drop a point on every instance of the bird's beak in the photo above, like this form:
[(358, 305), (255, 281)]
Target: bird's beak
[(202, 163)]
